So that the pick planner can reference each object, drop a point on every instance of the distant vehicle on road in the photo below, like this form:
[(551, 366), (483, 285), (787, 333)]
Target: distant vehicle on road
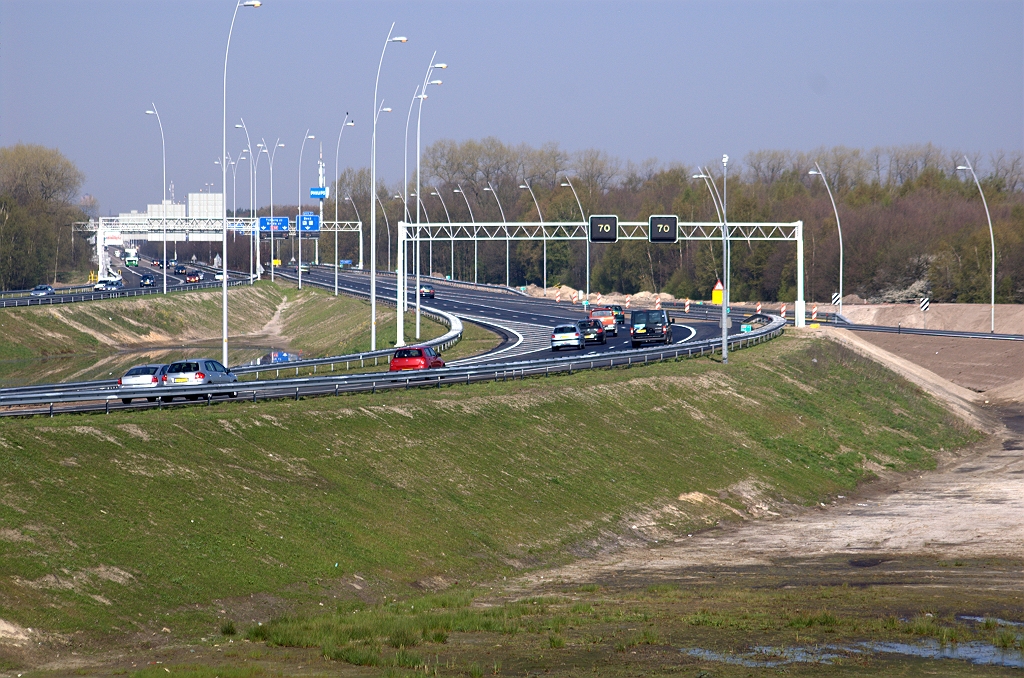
[(143, 376), (42, 291), (567, 336), (219, 275), (415, 358), (179, 269), (592, 331), (192, 277), (650, 327), (201, 273), (157, 263), (427, 291), (607, 317), (197, 372), (620, 315), (108, 285), (147, 280)]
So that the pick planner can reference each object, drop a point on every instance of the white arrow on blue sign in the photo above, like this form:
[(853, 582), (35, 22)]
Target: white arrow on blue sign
[(273, 223), (318, 193), (309, 222)]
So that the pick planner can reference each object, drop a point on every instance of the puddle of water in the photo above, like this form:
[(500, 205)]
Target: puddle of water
[(769, 657), (997, 620), (973, 652)]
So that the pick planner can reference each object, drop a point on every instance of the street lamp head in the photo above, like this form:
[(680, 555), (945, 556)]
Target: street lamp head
[(421, 96), (237, 125), (311, 137), (701, 176), (350, 124), (400, 38), (457, 190), (961, 168), (434, 193), (440, 65), (814, 172), (435, 82), (251, 3), (523, 186), (386, 110), (280, 145), (564, 183), (150, 112), (488, 189)]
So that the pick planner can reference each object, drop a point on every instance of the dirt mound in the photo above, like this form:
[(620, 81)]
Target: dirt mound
[(639, 300), (960, 317)]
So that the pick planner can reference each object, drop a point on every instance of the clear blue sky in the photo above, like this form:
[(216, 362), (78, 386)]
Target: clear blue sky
[(682, 81)]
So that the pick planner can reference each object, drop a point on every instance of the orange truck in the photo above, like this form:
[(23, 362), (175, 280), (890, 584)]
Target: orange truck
[(607, 318)]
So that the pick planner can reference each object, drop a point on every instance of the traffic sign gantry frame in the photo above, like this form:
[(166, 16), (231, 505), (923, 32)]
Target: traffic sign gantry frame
[(663, 228), (603, 228)]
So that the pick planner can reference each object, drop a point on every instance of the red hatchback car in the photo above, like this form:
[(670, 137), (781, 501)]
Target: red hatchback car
[(415, 358)]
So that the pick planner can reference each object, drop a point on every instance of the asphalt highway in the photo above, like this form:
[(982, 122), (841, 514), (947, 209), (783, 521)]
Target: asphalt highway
[(526, 321)]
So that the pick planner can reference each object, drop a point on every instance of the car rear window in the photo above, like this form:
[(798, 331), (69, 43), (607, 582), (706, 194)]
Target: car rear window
[(183, 367), (562, 329), (408, 353), (601, 314), (145, 369), (648, 317)]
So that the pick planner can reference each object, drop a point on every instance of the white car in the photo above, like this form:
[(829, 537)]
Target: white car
[(219, 275), (196, 372), (142, 376), (567, 336)]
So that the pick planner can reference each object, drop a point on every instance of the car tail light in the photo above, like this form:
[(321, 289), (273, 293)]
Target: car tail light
[(119, 381), (552, 336), (155, 381), (164, 378), (200, 375)]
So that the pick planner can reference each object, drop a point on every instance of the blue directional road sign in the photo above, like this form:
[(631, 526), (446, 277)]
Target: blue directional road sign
[(318, 193), (273, 223), (309, 222), (345, 262)]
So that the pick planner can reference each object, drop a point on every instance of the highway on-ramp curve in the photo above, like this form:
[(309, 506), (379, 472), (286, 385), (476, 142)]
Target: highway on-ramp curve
[(525, 321)]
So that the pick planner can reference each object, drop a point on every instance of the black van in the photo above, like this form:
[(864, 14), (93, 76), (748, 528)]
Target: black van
[(650, 326)]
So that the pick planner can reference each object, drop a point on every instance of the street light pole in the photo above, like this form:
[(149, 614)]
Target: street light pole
[(716, 200), (583, 216), (991, 235), (725, 261), (298, 208), (373, 193), (360, 220), (505, 224), (475, 247), (270, 156), (345, 123), (543, 231), (419, 118), (163, 200), (254, 160), (224, 178), (817, 171), (450, 232)]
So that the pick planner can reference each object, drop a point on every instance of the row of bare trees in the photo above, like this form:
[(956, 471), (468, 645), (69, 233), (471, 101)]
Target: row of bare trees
[(912, 224)]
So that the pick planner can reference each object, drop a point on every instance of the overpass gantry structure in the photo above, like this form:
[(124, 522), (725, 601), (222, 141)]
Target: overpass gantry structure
[(133, 228), (624, 230)]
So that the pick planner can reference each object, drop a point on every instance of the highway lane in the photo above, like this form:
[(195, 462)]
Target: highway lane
[(531, 318)]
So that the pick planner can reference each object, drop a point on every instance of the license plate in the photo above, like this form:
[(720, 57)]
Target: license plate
[(180, 380), (640, 331), (406, 368)]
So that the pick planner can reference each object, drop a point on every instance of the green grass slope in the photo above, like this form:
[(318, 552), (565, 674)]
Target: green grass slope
[(99, 339), (112, 523)]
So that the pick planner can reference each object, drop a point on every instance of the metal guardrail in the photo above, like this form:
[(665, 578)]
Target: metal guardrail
[(501, 289), (69, 289), (93, 296), (102, 399)]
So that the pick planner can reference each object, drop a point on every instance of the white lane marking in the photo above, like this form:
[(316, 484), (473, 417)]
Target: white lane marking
[(693, 333), (531, 338)]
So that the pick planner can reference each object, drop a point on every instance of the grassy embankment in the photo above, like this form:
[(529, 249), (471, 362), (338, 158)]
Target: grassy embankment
[(138, 521), (99, 339)]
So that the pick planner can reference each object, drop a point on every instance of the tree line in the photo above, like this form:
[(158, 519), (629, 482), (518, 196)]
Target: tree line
[(39, 202), (912, 224)]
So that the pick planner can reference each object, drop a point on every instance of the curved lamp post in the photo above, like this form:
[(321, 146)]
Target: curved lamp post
[(419, 118), (163, 201), (270, 157), (716, 199), (450, 232), (476, 250), (344, 123), (543, 232), (373, 190), (991, 235), (505, 223), (583, 216), (254, 235), (817, 172), (360, 220), (224, 179), (298, 207)]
